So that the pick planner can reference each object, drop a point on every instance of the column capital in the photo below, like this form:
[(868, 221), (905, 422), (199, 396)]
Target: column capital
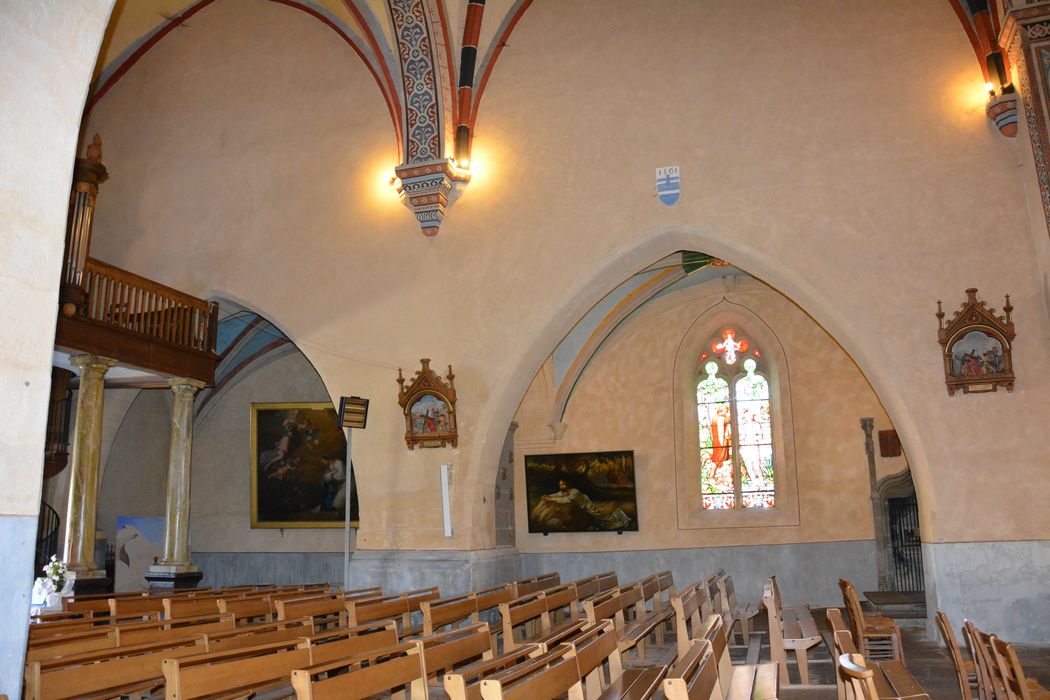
[(867, 425), (183, 385), (92, 364)]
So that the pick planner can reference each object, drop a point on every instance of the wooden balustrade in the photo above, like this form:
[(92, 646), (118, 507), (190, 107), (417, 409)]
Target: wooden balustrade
[(124, 300)]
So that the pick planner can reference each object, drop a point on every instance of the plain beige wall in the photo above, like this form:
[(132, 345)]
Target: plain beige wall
[(854, 170), (625, 401)]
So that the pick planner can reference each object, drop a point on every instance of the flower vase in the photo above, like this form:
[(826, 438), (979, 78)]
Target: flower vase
[(54, 600)]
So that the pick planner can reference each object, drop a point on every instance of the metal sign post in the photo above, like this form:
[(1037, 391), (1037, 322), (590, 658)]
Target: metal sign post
[(353, 413), (346, 510)]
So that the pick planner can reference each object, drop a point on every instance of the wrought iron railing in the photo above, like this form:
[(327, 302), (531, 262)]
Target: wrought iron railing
[(46, 537)]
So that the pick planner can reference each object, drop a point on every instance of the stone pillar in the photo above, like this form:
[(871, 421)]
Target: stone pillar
[(878, 511), (175, 569), (79, 551)]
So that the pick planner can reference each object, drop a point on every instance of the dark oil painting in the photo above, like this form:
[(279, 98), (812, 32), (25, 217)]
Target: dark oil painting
[(299, 474), (581, 492)]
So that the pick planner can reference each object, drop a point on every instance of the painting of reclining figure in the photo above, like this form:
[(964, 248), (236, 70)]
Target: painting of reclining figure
[(581, 492)]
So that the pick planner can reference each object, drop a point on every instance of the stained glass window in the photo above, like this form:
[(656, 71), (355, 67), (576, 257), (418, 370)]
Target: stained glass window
[(734, 415)]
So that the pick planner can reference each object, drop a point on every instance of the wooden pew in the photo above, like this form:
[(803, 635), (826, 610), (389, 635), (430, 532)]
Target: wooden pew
[(607, 581), (740, 614), (464, 683), (397, 606), (392, 668), (518, 613), (248, 608), (633, 633), (891, 678), (85, 676), (792, 628), (549, 675), (190, 607), (446, 612), (990, 684), (598, 648), (268, 667), (744, 680), (41, 630), (877, 636), (170, 629), (263, 633), (687, 619), (694, 676)]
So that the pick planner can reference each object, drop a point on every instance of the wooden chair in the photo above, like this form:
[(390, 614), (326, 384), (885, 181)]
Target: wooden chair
[(1017, 686), (965, 671), (694, 676), (877, 636), (792, 629), (892, 679), (859, 678), (989, 684)]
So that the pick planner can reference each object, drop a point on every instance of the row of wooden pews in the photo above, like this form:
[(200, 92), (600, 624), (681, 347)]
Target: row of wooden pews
[(320, 643)]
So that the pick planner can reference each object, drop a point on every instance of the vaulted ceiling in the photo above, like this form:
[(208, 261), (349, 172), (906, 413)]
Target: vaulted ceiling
[(431, 60)]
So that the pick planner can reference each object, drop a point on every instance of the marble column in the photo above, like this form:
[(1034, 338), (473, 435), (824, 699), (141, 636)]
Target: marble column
[(177, 515), (79, 551)]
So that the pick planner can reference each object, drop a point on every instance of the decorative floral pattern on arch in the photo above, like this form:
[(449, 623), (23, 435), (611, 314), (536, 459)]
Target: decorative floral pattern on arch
[(734, 417)]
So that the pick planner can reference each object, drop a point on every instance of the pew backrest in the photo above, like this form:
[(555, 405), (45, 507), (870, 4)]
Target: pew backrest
[(386, 669), (694, 676)]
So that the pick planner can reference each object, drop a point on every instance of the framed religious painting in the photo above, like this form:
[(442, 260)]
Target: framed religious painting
[(977, 347), (429, 405), (299, 477), (581, 492)]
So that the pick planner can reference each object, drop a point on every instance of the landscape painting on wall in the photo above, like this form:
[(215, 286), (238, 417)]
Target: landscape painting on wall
[(581, 492), (299, 475)]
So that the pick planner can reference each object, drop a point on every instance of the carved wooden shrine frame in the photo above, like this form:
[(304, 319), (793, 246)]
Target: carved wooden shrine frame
[(983, 375), (425, 383)]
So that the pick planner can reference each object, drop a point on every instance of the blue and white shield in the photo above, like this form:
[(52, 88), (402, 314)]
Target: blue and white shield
[(668, 184)]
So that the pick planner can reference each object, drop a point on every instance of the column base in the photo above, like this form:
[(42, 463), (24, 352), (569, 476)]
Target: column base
[(173, 577), (94, 581)]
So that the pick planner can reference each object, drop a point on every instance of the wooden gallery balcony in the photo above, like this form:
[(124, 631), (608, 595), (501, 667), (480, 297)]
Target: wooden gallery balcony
[(137, 322)]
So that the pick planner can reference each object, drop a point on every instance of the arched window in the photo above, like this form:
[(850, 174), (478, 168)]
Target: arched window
[(735, 421)]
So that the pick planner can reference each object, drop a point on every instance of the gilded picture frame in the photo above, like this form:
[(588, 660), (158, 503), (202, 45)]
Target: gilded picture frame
[(977, 347), (299, 478)]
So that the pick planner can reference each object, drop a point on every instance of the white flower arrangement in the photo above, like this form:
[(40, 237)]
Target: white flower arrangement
[(54, 579), (55, 583)]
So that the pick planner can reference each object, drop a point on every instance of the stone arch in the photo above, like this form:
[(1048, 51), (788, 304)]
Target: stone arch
[(617, 265)]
